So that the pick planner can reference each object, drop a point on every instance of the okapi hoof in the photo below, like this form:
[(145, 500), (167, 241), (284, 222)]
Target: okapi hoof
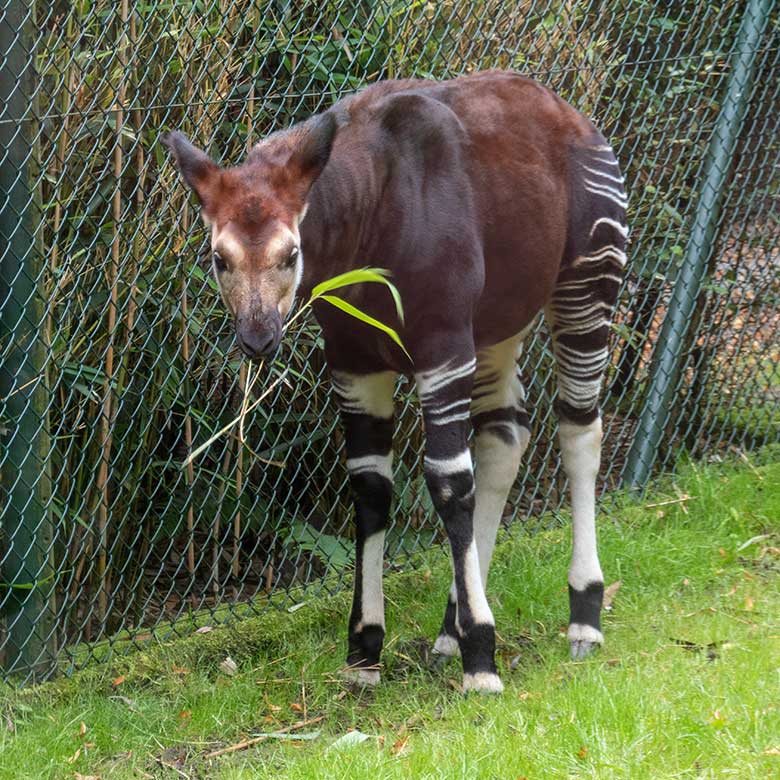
[(583, 640), (482, 682), (361, 678), (447, 646)]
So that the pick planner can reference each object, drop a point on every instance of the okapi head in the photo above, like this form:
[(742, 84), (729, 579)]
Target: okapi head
[(254, 212)]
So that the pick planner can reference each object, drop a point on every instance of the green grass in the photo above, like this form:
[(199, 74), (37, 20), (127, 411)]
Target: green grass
[(687, 685)]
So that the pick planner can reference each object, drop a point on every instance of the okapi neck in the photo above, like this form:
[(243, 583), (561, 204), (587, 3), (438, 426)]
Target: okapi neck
[(334, 236)]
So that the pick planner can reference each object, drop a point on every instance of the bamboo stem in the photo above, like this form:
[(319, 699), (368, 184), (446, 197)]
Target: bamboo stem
[(190, 472), (216, 529), (106, 435), (239, 477)]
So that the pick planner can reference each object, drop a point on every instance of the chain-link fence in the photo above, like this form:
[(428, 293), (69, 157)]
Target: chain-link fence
[(118, 359)]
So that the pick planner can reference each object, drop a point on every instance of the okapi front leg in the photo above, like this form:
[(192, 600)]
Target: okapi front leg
[(367, 413), (445, 394)]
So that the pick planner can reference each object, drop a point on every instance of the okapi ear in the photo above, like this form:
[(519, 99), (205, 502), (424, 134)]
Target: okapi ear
[(312, 148), (199, 171)]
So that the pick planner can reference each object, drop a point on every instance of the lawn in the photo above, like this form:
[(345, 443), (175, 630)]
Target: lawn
[(686, 686)]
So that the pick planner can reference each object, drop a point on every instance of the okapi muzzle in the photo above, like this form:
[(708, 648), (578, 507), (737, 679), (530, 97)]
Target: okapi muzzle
[(259, 333)]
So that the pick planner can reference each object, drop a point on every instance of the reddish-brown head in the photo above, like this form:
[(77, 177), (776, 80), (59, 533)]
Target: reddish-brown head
[(254, 212)]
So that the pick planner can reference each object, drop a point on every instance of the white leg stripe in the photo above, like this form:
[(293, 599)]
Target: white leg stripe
[(475, 590), (372, 607), (430, 382), (461, 462), (618, 198), (619, 226), (365, 394), (581, 283), (600, 255), (581, 453), (379, 464), (496, 468), (596, 172)]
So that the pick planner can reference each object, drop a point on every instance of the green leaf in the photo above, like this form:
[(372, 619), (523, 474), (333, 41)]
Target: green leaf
[(358, 276), (353, 311)]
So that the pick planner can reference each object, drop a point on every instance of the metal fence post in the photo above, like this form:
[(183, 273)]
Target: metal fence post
[(666, 365), (26, 594)]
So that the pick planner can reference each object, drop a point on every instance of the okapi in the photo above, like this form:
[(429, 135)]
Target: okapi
[(489, 199)]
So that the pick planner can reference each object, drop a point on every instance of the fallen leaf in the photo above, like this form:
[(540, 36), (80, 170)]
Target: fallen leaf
[(582, 752), (399, 746), (717, 720), (295, 707), (129, 702), (74, 757), (748, 604), (179, 670), (88, 777), (184, 714), (610, 592), (229, 667), (350, 738), (82, 729), (117, 681), (204, 630), (753, 540), (772, 751)]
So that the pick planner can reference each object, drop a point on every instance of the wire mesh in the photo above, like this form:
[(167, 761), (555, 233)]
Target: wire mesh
[(117, 357)]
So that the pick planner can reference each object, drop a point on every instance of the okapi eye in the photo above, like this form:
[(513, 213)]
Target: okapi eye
[(219, 263), (294, 252)]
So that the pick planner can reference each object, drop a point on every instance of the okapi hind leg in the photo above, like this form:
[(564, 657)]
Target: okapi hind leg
[(367, 412), (445, 395), (501, 435), (579, 317), (581, 454)]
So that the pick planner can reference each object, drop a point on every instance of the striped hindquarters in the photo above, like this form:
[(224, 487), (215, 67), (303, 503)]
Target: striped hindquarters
[(582, 306)]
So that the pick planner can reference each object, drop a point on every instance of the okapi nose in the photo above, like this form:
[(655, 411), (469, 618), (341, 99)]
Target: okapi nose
[(256, 342)]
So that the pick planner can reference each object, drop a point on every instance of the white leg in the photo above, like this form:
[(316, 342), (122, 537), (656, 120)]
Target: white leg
[(581, 454)]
